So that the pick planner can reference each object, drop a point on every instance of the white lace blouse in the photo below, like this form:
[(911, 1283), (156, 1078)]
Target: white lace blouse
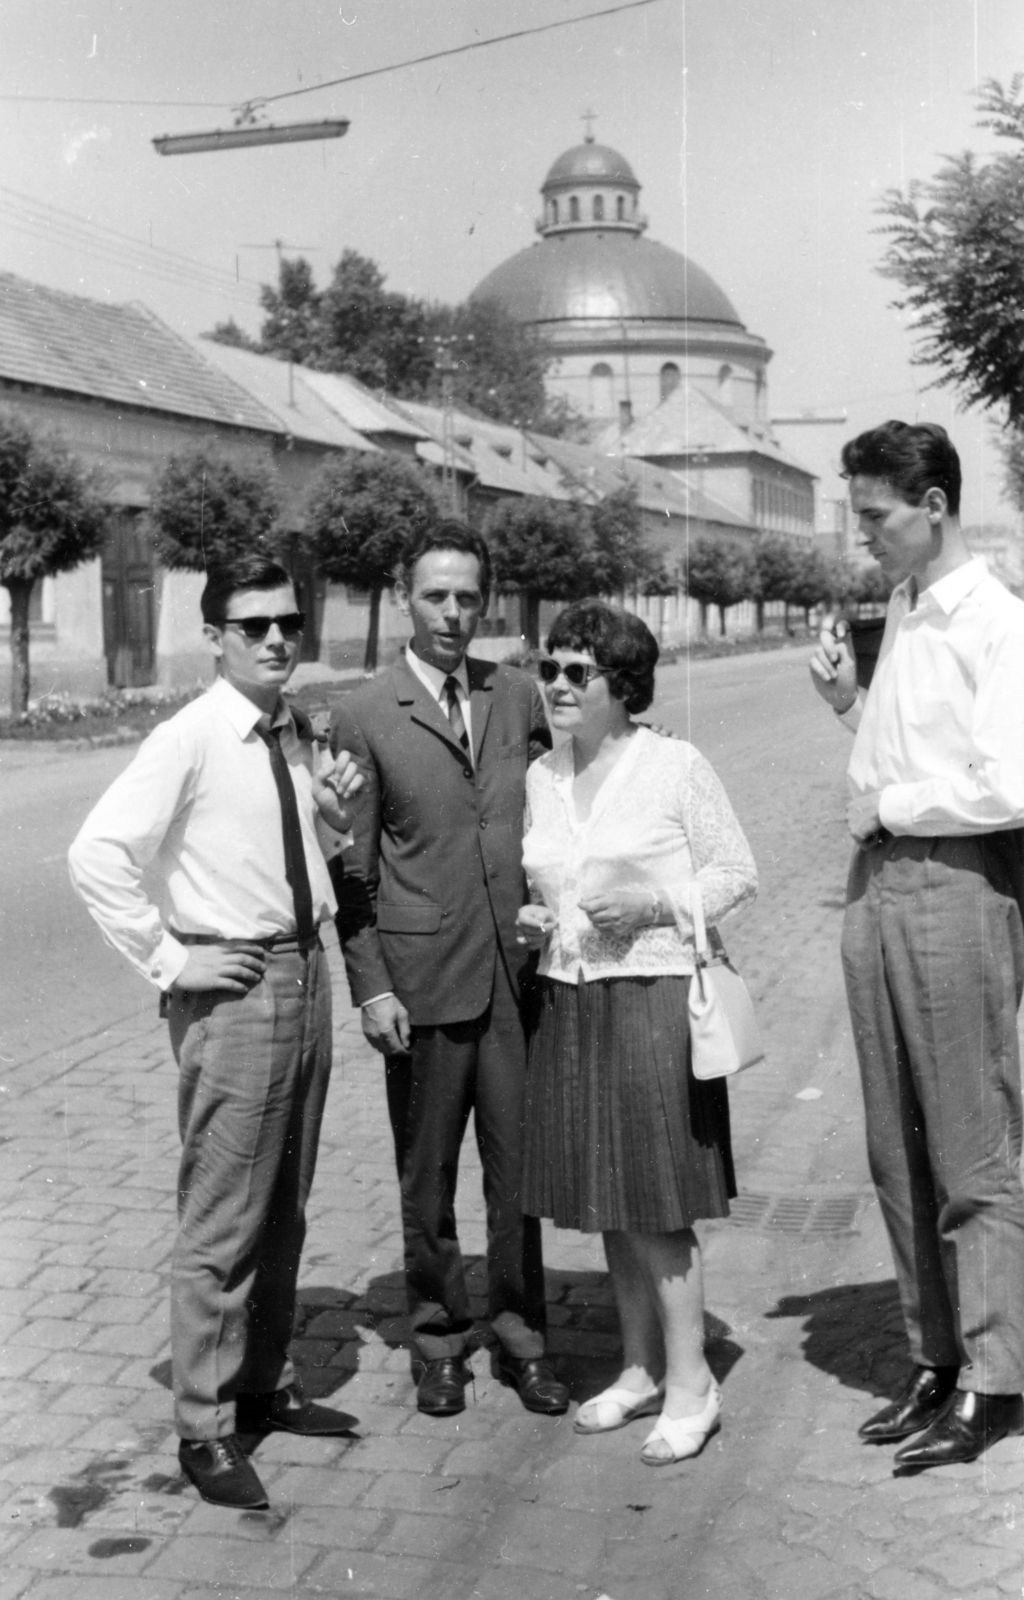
[(660, 818)]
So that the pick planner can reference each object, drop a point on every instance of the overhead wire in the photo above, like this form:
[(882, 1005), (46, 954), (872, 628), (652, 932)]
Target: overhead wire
[(453, 50), (348, 77), (39, 219)]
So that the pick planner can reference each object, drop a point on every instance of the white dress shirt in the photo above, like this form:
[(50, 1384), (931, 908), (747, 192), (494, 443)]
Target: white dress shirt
[(190, 837), (659, 820), (940, 736), (434, 680)]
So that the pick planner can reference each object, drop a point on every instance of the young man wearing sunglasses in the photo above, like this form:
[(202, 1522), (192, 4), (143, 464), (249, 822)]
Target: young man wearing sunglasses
[(432, 887), (202, 866)]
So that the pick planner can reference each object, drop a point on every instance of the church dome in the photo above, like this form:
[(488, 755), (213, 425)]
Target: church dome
[(590, 162), (590, 274), (592, 264)]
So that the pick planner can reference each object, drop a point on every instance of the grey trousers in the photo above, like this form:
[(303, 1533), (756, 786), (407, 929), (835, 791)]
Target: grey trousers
[(933, 954), (254, 1070)]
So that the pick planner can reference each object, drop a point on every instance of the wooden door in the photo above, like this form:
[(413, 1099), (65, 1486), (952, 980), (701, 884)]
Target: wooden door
[(129, 612)]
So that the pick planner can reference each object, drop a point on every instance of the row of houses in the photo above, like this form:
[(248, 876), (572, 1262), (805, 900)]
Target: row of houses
[(126, 392)]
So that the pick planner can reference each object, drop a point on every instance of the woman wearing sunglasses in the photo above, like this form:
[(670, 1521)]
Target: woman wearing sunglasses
[(621, 1139)]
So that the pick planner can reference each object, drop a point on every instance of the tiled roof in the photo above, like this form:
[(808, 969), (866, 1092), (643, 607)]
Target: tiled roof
[(357, 406), (689, 421), (298, 408), (657, 489), (121, 353), (501, 455)]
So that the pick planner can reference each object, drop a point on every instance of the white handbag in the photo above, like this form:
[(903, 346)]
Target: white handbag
[(724, 1035)]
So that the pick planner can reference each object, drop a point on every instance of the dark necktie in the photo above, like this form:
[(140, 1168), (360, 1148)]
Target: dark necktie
[(455, 717), (295, 869)]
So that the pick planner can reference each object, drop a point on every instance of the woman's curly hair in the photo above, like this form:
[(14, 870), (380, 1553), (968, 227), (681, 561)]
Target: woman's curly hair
[(617, 640)]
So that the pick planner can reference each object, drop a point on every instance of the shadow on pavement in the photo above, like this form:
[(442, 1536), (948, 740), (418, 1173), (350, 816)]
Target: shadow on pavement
[(854, 1332), (583, 1335)]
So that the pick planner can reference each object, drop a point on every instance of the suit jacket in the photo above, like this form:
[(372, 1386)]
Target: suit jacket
[(434, 880)]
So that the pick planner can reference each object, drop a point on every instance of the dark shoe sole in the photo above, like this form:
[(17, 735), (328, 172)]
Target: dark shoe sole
[(230, 1501), (539, 1409), (896, 1435), (344, 1424), (442, 1408)]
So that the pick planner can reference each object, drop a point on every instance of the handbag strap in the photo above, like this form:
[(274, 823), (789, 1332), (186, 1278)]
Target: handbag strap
[(700, 932)]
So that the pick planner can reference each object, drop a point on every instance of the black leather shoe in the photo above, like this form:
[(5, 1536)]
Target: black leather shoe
[(923, 1397), (539, 1389), (968, 1424), (286, 1411), (441, 1389), (223, 1473)]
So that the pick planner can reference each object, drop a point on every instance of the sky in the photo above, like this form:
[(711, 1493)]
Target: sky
[(763, 132)]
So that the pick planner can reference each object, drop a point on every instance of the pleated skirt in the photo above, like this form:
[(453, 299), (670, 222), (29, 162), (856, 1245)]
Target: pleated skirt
[(619, 1133)]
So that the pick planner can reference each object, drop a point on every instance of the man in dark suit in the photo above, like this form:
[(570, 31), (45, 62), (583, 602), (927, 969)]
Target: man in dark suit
[(427, 921)]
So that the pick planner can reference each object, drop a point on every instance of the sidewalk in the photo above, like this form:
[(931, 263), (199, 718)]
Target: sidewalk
[(495, 1504)]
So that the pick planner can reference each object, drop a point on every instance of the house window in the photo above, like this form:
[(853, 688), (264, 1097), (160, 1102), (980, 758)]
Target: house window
[(599, 208), (669, 379), (602, 390), (574, 209)]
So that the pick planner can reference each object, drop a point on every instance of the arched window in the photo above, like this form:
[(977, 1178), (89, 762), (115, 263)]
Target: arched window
[(620, 208), (669, 378), (725, 385), (602, 390), (599, 208), (574, 209), (554, 210)]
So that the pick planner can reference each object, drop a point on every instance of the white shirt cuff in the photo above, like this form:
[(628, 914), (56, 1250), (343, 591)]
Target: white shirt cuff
[(896, 807), (169, 961), (388, 994)]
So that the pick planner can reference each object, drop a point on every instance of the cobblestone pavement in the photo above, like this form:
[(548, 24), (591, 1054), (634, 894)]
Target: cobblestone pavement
[(803, 1324)]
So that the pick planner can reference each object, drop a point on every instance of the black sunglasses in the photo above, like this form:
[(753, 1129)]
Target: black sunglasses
[(291, 624), (577, 673)]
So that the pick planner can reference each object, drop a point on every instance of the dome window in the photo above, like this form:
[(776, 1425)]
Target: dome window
[(554, 210), (620, 208), (669, 379), (574, 209), (602, 390), (725, 385), (599, 208)]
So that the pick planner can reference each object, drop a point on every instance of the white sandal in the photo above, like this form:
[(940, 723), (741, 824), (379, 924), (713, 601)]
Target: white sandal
[(613, 1408), (685, 1436)]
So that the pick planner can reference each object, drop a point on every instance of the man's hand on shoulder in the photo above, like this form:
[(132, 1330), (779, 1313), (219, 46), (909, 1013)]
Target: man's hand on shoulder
[(834, 666), (338, 780), (235, 968), (386, 1025)]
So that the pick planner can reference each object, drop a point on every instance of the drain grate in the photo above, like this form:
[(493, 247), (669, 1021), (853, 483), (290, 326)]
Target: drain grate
[(812, 1217)]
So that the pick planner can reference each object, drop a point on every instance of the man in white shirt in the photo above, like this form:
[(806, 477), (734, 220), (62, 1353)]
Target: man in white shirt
[(933, 941), (202, 866)]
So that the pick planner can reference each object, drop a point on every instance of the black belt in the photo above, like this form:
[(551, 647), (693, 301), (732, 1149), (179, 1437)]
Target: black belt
[(274, 941)]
